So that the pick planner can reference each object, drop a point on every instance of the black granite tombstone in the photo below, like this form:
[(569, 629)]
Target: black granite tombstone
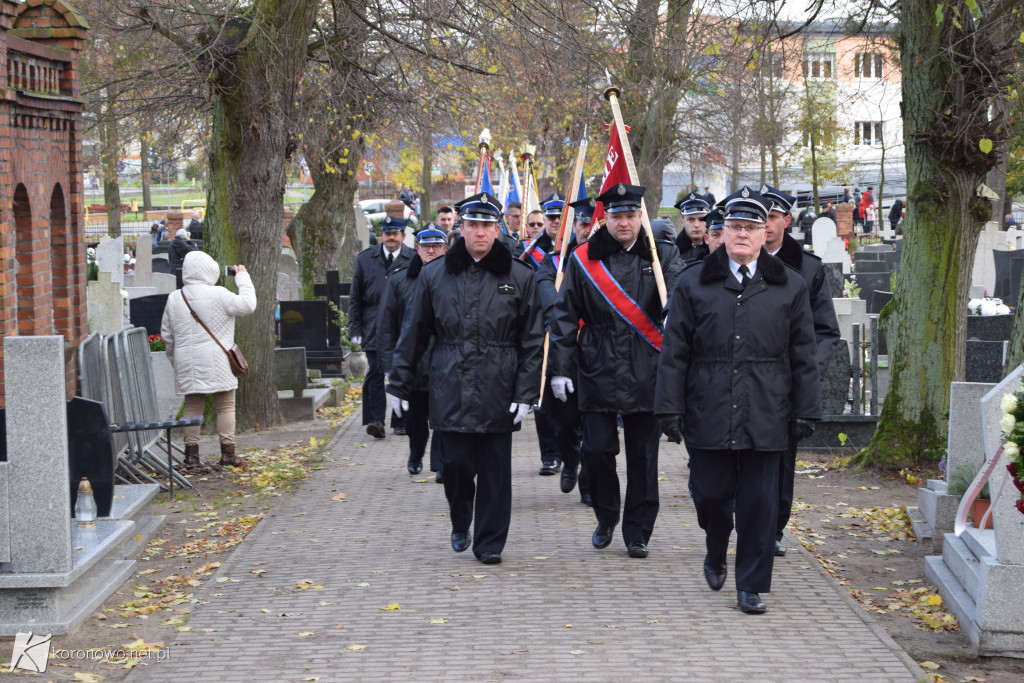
[(869, 283), (1001, 257), (304, 323), (290, 370), (148, 312), (161, 265), (333, 289), (91, 452), (835, 385), (878, 301), (859, 256), (984, 361), (989, 327), (834, 278), (868, 266)]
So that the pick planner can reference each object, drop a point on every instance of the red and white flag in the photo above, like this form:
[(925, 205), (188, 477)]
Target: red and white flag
[(615, 172)]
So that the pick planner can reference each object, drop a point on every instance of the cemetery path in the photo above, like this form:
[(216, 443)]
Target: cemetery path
[(365, 586)]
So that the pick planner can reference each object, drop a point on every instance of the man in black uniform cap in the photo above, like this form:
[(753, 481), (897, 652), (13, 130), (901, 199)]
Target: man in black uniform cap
[(692, 210), (480, 308), (566, 415), (431, 243), (610, 286), (372, 268), (534, 254), (779, 243), (738, 380)]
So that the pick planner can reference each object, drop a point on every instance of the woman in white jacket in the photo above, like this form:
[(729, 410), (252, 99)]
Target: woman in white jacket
[(200, 365)]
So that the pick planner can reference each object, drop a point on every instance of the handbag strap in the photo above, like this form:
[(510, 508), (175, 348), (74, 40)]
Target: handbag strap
[(183, 298)]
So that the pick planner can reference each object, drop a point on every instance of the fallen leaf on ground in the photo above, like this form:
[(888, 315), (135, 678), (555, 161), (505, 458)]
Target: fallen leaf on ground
[(357, 647), (339, 496), (929, 665), (393, 607), (439, 620)]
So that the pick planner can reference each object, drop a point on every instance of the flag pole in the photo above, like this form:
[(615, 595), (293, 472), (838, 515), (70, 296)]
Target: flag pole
[(612, 95), (528, 152), (485, 145), (569, 213)]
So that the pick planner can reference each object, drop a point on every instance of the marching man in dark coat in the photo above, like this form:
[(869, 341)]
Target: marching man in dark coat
[(780, 244), (693, 209), (566, 414), (609, 285), (431, 243), (372, 268), (738, 380), (480, 308)]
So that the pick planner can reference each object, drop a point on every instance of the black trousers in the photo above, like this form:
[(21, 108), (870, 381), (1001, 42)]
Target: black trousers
[(600, 446), (787, 475), (569, 432), (752, 478), (374, 402), (417, 424), (487, 459), (547, 427)]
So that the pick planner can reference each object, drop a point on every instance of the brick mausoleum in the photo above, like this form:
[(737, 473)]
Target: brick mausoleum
[(42, 258)]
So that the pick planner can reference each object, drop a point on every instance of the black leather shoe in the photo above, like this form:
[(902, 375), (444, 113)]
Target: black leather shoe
[(750, 603), (490, 558), (715, 571), (547, 469), (400, 431), (438, 479), (568, 482), (780, 550), (414, 467), (376, 430), (460, 541), (587, 500), (603, 536), (637, 549)]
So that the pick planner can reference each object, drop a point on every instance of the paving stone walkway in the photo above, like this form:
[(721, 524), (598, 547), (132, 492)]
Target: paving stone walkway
[(556, 609)]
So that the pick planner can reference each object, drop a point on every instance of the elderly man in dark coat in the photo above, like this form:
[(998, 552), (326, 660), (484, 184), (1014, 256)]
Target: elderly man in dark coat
[(610, 287), (480, 307), (738, 380), (372, 268)]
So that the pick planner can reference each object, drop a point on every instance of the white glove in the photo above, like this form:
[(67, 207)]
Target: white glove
[(358, 341), (520, 409), (399, 406), (561, 387)]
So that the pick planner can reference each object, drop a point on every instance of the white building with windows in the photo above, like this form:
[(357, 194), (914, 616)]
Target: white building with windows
[(860, 79)]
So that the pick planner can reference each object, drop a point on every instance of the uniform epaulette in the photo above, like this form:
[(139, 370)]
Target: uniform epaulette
[(811, 254)]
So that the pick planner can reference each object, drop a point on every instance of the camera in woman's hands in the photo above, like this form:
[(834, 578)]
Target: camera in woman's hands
[(229, 271)]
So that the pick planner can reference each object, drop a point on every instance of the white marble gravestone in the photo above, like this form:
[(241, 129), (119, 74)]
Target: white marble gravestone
[(827, 245), (980, 572)]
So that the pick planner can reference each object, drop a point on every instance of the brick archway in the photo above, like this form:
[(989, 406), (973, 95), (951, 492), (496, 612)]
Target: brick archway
[(32, 279), (63, 263)]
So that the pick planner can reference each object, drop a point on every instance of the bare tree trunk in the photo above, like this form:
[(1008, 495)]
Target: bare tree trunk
[(426, 178), (110, 157), (147, 174), (323, 231), (253, 104), (946, 101)]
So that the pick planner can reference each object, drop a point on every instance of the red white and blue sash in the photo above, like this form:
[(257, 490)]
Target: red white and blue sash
[(536, 255), (621, 302)]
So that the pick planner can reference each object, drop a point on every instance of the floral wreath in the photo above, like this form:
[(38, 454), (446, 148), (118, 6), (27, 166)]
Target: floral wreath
[(1012, 425)]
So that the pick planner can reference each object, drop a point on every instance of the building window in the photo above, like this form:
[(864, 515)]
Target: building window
[(868, 133), (869, 65), (819, 65)]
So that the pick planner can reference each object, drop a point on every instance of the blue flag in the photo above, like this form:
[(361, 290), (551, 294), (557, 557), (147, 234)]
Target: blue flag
[(485, 182)]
